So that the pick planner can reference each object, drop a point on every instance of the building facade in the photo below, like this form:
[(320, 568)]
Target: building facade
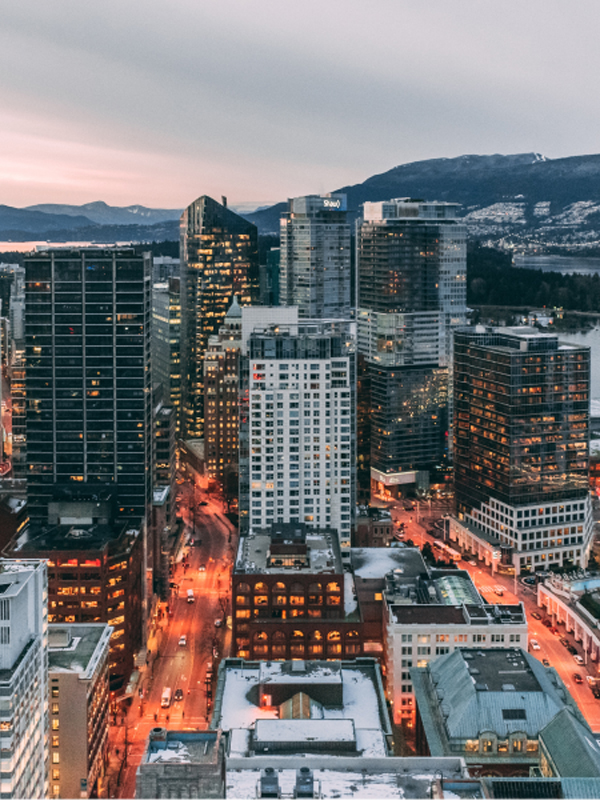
[(297, 427), (315, 257), (411, 265), (221, 387), (521, 445), (166, 342), (24, 679), (79, 705), (94, 575), (219, 259), (87, 364)]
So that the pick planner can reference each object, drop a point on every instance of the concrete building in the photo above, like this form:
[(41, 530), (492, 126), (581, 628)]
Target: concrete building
[(315, 257), (79, 704), (88, 378), (491, 707), (374, 527), (411, 266), (435, 612), (95, 574), (166, 342), (221, 389), (182, 764), (521, 443), (297, 427), (576, 604), (219, 259), (23, 679)]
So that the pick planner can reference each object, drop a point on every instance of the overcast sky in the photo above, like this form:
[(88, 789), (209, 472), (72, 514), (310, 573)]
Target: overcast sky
[(159, 101)]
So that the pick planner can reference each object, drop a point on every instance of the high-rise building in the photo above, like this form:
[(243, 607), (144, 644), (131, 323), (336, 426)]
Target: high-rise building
[(297, 426), (221, 386), (521, 445), (219, 259), (24, 678), (411, 264), (87, 365), (315, 257), (166, 342), (79, 698)]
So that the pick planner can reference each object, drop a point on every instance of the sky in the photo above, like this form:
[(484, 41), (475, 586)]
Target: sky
[(160, 101)]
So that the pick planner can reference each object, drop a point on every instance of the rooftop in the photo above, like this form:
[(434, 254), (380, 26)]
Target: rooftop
[(370, 563), (77, 647), (181, 747), (57, 538), (287, 547)]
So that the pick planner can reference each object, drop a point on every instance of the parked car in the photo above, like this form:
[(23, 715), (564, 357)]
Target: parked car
[(472, 563), (534, 645), (183, 640), (545, 662), (536, 615), (555, 631), (564, 642), (577, 677), (579, 660), (546, 622), (178, 694), (218, 622), (572, 650)]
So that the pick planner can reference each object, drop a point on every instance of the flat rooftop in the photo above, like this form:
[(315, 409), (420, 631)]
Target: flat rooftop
[(75, 647), (314, 552), (72, 537), (497, 669), (181, 747), (372, 563)]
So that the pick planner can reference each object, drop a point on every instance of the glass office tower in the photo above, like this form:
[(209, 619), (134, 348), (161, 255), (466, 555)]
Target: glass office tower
[(219, 259), (521, 443), (87, 335)]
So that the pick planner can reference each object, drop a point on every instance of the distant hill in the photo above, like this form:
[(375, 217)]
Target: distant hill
[(514, 199), (103, 214)]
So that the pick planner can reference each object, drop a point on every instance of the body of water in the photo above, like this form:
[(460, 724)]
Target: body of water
[(567, 265)]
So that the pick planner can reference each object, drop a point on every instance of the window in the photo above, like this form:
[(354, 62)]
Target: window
[(55, 724), (55, 708), (55, 691), (55, 741), (56, 758)]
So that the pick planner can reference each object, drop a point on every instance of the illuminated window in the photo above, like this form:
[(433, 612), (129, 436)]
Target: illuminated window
[(55, 724), (56, 758)]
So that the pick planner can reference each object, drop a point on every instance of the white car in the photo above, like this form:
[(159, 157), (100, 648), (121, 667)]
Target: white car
[(534, 645), (579, 660), (183, 640), (218, 622)]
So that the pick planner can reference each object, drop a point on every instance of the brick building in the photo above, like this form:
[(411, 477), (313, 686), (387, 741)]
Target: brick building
[(293, 599)]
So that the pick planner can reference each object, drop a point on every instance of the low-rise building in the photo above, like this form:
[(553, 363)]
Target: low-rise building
[(576, 604), (374, 527), (181, 764), (491, 707), (79, 703), (431, 613)]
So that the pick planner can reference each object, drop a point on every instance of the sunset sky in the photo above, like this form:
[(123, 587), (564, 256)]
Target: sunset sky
[(141, 101)]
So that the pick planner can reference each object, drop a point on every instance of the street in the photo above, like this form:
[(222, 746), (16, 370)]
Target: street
[(183, 667)]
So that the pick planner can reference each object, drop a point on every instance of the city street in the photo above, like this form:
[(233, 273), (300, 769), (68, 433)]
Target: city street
[(177, 666)]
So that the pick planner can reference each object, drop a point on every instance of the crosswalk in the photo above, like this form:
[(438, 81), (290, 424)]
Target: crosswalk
[(491, 589)]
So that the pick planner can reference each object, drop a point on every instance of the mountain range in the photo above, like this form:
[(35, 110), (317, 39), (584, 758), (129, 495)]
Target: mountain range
[(509, 200)]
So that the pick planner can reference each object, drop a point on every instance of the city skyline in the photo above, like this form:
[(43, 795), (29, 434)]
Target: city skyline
[(96, 112)]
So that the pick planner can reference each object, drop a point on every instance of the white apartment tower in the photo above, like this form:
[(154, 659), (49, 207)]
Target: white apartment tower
[(23, 678), (315, 257), (297, 426)]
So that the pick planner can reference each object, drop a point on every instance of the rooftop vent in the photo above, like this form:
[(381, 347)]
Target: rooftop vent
[(269, 783), (514, 713), (78, 533), (305, 785)]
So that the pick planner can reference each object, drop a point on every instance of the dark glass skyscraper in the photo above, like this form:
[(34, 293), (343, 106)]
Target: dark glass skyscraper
[(521, 441), (87, 335), (219, 259)]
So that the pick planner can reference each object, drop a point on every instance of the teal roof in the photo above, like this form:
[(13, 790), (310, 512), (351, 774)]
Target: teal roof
[(571, 747)]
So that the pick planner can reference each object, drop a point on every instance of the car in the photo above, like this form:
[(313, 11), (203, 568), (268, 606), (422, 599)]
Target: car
[(536, 615), (472, 563), (577, 677), (218, 622), (572, 650), (202, 568), (499, 592), (173, 585), (578, 660), (178, 694), (529, 581), (555, 631), (203, 503), (564, 642), (179, 498), (545, 662), (546, 622), (534, 645), (183, 640), (596, 692)]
